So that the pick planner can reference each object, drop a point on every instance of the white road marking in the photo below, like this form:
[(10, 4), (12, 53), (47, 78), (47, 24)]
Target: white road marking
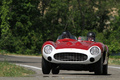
[(29, 66), (114, 67), (26, 56)]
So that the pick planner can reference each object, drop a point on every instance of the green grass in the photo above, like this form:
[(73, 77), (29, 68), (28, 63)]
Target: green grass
[(3, 52), (12, 70), (115, 57), (114, 60)]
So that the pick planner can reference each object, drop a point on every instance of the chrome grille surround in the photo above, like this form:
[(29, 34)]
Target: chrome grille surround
[(70, 56)]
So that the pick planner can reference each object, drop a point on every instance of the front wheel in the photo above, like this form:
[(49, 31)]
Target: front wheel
[(99, 67), (55, 70), (46, 66), (105, 69)]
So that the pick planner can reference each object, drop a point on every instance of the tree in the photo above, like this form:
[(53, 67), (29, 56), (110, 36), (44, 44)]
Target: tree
[(20, 19), (26, 24), (4, 27)]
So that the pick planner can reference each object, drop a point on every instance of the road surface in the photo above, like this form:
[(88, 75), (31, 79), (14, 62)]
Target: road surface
[(34, 63)]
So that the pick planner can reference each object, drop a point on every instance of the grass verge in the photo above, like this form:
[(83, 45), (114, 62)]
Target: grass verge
[(12, 70), (3, 52), (114, 60)]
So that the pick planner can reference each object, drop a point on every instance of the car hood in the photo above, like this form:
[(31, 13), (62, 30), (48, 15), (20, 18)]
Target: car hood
[(74, 44)]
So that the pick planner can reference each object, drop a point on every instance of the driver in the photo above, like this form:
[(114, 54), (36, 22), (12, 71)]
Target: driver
[(91, 36), (65, 35)]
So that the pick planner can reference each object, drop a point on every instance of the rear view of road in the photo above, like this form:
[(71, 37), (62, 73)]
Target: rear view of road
[(34, 63)]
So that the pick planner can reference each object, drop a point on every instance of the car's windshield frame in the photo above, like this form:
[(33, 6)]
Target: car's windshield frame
[(84, 38)]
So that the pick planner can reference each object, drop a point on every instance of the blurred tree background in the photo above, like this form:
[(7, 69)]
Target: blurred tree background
[(26, 24)]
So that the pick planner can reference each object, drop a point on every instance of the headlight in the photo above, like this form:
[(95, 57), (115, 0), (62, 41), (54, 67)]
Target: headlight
[(94, 50), (48, 49)]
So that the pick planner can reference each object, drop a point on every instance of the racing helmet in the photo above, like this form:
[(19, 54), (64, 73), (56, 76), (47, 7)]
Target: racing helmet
[(65, 34), (91, 36)]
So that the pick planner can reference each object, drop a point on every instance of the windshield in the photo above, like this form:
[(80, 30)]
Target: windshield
[(71, 37), (83, 38)]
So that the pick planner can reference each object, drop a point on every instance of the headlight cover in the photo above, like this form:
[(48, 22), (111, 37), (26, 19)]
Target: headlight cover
[(94, 50), (48, 49)]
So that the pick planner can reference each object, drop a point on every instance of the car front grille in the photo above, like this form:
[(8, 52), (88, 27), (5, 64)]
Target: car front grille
[(70, 56)]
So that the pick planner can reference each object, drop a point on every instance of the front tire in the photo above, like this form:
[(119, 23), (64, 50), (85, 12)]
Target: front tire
[(55, 70), (46, 66), (105, 69), (99, 67)]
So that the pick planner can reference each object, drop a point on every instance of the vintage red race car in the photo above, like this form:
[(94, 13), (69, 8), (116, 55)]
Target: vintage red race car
[(71, 54)]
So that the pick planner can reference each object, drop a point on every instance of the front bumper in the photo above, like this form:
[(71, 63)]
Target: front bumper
[(71, 56)]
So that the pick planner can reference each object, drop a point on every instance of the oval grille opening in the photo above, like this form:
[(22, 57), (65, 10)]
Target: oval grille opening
[(70, 56)]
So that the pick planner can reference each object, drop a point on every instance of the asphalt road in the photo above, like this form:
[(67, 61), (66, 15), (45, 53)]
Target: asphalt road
[(34, 63)]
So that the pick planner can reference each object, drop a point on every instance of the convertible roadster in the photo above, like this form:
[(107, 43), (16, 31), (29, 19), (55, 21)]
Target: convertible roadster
[(73, 54)]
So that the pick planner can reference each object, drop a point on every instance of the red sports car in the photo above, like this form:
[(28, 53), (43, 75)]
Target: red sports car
[(73, 54)]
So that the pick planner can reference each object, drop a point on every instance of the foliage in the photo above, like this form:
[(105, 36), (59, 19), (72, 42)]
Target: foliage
[(20, 33), (26, 24), (4, 27)]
